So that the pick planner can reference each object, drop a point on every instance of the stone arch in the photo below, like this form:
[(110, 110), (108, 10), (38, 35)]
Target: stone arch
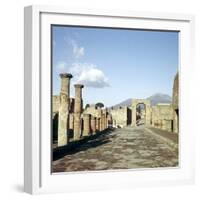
[(147, 105)]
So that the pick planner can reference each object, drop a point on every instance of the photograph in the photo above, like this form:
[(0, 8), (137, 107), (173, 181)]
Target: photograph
[(114, 99)]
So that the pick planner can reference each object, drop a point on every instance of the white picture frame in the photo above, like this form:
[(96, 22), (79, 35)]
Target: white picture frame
[(37, 140)]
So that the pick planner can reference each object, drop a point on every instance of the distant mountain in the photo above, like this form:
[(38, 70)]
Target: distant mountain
[(159, 98), (154, 99), (126, 102)]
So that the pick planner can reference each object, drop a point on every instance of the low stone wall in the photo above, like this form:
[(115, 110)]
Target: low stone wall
[(162, 117)]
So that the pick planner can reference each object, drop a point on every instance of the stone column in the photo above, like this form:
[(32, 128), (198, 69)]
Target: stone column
[(100, 124), (104, 121), (105, 118), (97, 124), (63, 123), (114, 123), (77, 111), (93, 124), (71, 121), (99, 119), (86, 124), (110, 120), (133, 115)]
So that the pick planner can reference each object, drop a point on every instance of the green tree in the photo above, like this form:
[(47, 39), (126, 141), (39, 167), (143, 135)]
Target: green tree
[(99, 104), (87, 106)]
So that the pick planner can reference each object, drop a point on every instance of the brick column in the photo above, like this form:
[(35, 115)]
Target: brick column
[(93, 124), (63, 123), (77, 111), (86, 124)]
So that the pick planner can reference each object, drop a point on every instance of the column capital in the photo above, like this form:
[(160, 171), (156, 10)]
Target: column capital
[(79, 86), (65, 75)]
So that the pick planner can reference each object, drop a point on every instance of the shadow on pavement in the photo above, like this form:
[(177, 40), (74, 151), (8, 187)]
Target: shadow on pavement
[(83, 144)]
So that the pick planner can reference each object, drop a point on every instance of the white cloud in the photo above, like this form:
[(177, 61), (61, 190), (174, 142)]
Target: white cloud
[(61, 66), (89, 75), (78, 51)]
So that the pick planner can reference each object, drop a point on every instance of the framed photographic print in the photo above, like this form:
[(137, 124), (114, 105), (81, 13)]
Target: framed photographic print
[(107, 97)]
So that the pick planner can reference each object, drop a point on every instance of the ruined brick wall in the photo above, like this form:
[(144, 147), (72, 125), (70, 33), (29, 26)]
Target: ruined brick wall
[(120, 116), (175, 98), (175, 104), (93, 111), (162, 111), (162, 116), (55, 104)]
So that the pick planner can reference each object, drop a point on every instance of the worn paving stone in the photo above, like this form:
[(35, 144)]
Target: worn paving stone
[(125, 148)]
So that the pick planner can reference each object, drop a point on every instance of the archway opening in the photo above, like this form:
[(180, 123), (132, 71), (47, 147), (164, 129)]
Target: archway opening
[(140, 114)]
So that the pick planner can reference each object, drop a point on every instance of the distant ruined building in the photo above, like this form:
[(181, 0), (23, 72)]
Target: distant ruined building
[(121, 116), (73, 123), (175, 104)]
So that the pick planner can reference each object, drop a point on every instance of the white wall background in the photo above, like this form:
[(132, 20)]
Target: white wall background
[(11, 91)]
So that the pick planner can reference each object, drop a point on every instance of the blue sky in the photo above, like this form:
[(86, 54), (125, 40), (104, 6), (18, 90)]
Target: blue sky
[(115, 64)]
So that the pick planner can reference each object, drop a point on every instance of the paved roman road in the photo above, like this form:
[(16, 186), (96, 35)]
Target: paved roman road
[(124, 148)]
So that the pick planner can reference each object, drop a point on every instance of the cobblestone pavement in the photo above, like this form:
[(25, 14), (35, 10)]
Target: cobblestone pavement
[(125, 148)]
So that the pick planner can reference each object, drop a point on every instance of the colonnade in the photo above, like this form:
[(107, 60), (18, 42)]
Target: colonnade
[(74, 120)]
